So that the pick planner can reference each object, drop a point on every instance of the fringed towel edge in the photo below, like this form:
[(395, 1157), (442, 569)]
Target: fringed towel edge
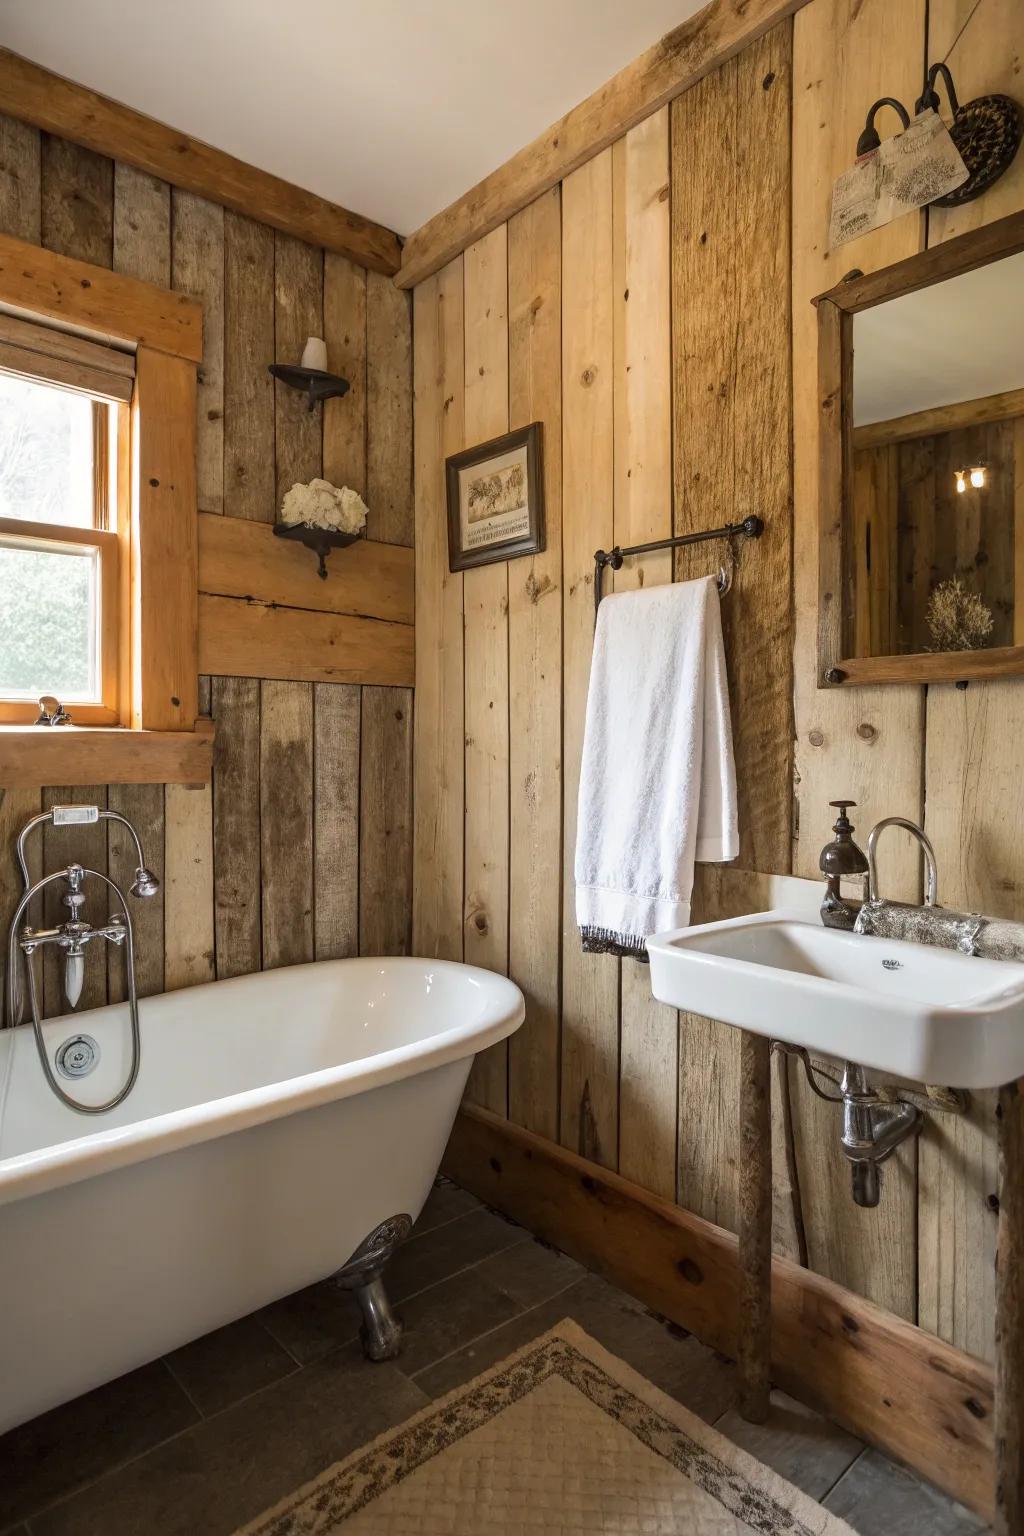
[(604, 941)]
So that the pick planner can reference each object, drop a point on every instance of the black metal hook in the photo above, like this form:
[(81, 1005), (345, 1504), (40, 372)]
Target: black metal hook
[(869, 139)]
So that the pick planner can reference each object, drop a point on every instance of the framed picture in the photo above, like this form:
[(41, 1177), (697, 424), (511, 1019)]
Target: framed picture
[(496, 500)]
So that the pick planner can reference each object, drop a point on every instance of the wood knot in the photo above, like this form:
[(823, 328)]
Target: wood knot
[(587, 377), (690, 1271), (816, 738), (768, 81), (850, 1323), (974, 1408), (495, 1165), (867, 732)]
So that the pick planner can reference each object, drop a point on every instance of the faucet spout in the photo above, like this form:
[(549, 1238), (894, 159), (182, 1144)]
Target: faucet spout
[(931, 866)]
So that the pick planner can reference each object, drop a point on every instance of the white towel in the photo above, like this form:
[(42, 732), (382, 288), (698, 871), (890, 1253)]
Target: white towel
[(657, 781)]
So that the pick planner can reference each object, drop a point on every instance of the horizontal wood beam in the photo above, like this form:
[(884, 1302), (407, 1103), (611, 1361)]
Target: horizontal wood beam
[(682, 57), (110, 305), (31, 755), (49, 101), (905, 1391), (238, 638), (241, 558), (941, 418), (934, 666)]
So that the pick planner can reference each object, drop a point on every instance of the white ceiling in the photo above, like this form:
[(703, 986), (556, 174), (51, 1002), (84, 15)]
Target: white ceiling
[(392, 108), (958, 340)]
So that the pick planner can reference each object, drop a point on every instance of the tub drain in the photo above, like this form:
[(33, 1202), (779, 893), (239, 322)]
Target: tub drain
[(77, 1056)]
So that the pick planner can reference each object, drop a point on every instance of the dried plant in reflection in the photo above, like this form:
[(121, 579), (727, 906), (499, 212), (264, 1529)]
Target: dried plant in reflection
[(957, 618)]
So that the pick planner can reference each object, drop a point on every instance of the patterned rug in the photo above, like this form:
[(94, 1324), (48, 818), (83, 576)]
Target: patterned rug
[(561, 1437)]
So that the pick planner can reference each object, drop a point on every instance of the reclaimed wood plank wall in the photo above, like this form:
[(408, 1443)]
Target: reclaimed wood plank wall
[(656, 311), (302, 846)]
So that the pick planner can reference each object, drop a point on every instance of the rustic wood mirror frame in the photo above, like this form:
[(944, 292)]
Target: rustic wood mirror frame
[(836, 310)]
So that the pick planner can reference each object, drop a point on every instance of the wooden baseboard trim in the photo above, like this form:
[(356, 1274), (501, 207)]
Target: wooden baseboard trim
[(910, 1394)]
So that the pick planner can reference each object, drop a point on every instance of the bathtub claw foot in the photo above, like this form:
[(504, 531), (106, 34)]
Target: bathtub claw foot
[(363, 1275), (381, 1333)]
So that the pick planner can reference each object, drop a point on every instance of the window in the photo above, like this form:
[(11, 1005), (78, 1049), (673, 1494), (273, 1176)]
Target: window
[(59, 548)]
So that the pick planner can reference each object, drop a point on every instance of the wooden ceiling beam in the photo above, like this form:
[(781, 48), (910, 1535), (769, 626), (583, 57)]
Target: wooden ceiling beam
[(35, 95), (682, 57)]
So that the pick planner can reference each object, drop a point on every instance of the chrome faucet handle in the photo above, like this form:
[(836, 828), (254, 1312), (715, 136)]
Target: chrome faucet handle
[(931, 866)]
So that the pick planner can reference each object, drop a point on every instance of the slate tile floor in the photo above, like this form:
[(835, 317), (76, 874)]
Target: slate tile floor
[(205, 1439)]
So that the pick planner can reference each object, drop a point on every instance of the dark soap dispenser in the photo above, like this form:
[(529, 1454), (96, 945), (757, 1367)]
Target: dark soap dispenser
[(841, 859)]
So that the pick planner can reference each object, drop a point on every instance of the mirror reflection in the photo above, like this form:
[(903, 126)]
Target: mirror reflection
[(938, 467)]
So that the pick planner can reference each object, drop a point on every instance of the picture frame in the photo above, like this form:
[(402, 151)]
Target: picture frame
[(495, 494)]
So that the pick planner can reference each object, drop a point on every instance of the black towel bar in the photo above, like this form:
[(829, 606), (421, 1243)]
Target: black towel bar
[(750, 528)]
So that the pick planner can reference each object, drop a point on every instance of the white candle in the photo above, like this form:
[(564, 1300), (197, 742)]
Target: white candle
[(314, 354)]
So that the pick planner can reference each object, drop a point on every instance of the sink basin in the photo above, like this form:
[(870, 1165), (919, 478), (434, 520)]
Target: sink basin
[(910, 1010)]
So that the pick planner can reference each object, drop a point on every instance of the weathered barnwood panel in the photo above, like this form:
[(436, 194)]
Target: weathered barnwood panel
[(236, 825), (590, 1027), (438, 350), (298, 314), (344, 418), (388, 412), (485, 903), (336, 723), (142, 226), (77, 201), (197, 267), (251, 639), (535, 671), (648, 1031), (385, 821), (286, 822), (250, 481), (20, 205)]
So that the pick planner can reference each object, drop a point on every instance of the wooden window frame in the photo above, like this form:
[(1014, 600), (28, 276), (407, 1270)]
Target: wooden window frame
[(155, 735)]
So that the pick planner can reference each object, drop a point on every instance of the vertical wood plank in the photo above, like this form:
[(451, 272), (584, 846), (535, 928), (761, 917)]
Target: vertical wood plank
[(345, 335), (166, 538), (709, 1087), (590, 1032), (188, 876), (485, 919), (648, 1060), (388, 411), (20, 206), (336, 829), (142, 226), (197, 267), (732, 412), (286, 822), (866, 745), (986, 59), (975, 807), (143, 805), (298, 314), (439, 724), (17, 806), (250, 485), (1009, 1343), (754, 1323), (77, 192), (973, 815), (236, 825), (385, 829), (535, 683)]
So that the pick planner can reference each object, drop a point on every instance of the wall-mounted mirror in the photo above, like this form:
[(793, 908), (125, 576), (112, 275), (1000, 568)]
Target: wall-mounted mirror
[(922, 466)]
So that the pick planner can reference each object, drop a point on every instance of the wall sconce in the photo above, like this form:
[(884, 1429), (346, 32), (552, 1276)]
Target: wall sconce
[(975, 473), (311, 374)]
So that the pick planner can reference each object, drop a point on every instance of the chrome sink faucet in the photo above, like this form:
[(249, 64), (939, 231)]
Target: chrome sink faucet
[(72, 937), (931, 866)]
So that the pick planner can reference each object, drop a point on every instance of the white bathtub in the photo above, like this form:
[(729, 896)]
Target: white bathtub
[(277, 1119)]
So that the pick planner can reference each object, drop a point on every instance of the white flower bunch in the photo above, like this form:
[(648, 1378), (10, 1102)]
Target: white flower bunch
[(322, 505)]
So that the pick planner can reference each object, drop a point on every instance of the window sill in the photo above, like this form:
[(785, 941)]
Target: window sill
[(32, 755)]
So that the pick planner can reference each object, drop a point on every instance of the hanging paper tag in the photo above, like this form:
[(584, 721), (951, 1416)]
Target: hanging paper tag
[(903, 173)]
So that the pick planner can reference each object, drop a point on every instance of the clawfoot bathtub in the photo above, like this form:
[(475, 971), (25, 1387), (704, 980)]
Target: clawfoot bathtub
[(284, 1127)]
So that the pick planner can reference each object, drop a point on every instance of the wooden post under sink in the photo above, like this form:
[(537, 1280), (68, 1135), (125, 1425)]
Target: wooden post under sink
[(1009, 1364), (754, 1293)]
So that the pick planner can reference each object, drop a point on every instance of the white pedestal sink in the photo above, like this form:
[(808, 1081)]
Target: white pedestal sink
[(909, 1010)]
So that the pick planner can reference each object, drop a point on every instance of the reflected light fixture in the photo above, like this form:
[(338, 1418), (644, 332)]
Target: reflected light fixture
[(975, 473)]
